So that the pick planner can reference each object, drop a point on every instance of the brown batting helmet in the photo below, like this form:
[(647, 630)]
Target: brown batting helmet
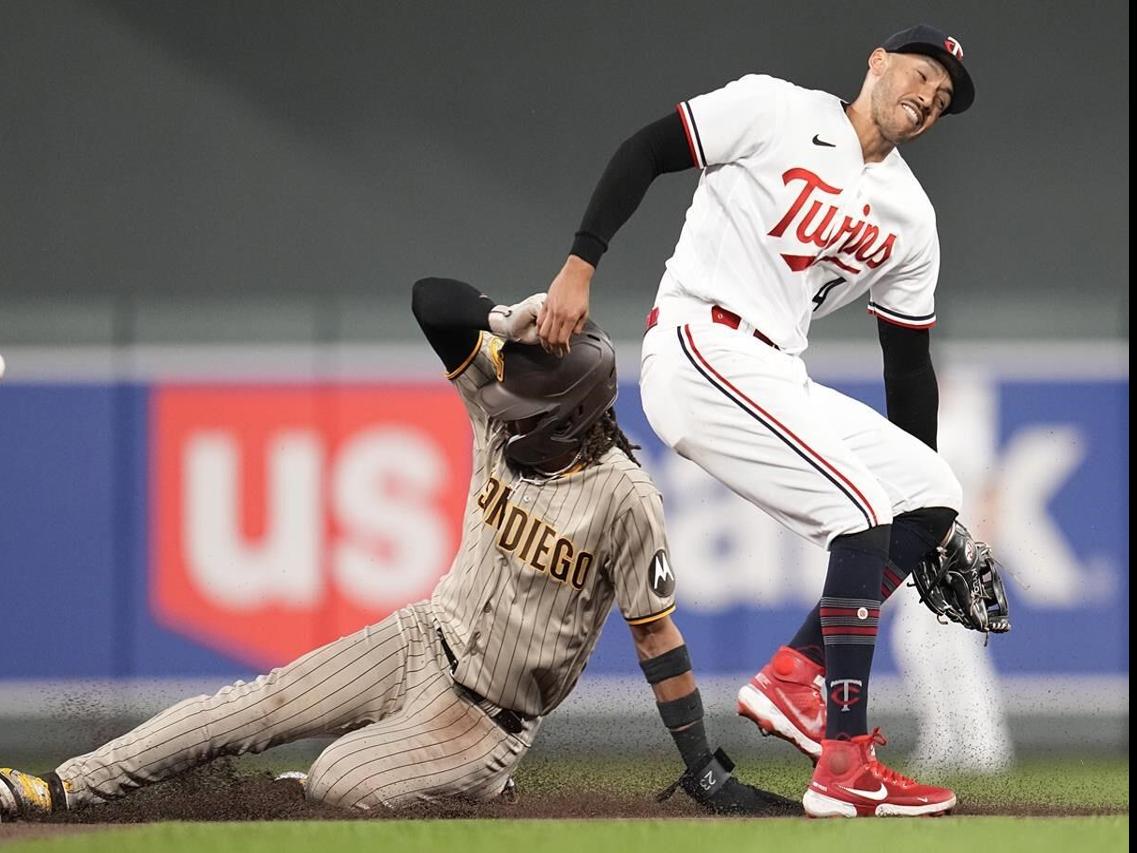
[(566, 394)]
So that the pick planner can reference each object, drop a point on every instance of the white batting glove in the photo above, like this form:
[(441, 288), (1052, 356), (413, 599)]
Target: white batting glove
[(517, 322)]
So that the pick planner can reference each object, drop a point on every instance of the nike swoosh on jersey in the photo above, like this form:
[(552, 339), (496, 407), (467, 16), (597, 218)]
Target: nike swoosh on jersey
[(868, 795), (817, 140)]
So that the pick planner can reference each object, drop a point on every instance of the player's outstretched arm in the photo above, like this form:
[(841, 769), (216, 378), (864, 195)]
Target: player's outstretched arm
[(666, 664), (452, 314), (656, 149)]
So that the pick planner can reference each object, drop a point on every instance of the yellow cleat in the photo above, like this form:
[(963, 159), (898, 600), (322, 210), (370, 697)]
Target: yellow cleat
[(22, 794)]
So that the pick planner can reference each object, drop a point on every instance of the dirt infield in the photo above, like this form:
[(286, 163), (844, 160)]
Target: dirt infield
[(220, 792)]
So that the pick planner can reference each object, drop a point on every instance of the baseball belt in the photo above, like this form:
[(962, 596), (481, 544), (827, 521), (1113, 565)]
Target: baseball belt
[(506, 718), (718, 315)]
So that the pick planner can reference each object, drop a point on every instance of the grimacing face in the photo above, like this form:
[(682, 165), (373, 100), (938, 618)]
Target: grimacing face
[(910, 94)]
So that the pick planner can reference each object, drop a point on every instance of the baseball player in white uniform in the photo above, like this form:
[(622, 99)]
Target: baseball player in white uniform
[(803, 206), (444, 697)]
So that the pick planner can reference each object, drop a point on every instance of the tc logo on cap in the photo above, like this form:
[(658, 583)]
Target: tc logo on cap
[(954, 47)]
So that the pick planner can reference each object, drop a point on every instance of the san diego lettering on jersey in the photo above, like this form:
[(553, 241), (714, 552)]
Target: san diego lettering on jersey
[(532, 540)]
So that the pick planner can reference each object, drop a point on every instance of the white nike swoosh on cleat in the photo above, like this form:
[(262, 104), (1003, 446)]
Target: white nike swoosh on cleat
[(868, 795)]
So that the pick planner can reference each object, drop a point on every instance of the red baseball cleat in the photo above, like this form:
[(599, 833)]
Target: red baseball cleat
[(849, 782), (786, 699)]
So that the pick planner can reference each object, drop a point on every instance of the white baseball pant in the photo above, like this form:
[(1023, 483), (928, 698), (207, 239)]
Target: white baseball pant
[(821, 463)]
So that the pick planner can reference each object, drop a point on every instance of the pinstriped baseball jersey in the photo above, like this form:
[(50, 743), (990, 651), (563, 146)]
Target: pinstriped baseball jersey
[(541, 562)]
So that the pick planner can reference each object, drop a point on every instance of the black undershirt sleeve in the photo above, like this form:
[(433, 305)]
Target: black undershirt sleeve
[(910, 389), (451, 314), (656, 149)]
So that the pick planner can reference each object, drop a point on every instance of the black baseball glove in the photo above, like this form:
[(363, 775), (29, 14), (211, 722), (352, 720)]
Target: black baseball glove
[(712, 786), (960, 582)]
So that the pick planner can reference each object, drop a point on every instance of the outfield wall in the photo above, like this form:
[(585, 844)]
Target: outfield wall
[(185, 516)]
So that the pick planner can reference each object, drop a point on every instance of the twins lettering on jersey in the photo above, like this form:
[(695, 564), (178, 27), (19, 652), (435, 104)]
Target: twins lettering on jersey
[(858, 242), (530, 539)]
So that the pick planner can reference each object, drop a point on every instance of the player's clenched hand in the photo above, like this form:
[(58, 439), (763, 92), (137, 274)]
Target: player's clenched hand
[(566, 309), (517, 322)]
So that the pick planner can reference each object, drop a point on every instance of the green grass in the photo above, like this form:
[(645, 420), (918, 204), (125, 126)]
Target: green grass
[(1082, 784), (1088, 785), (946, 834)]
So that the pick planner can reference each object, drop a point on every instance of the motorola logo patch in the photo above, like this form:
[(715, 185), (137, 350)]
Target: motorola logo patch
[(661, 578)]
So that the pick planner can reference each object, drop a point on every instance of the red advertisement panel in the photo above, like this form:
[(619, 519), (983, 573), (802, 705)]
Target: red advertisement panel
[(286, 516)]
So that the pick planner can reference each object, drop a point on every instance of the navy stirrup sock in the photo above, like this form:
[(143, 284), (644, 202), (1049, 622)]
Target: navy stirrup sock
[(849, 613), (914, 534)]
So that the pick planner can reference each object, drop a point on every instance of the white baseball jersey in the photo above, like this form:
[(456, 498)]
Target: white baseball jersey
[(788, 221)]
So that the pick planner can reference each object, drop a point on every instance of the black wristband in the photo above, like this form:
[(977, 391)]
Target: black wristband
[(671, 663), (588, 247), (682, 711)]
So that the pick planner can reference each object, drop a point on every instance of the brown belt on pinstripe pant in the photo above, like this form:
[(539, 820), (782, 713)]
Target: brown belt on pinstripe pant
[(506, 718)]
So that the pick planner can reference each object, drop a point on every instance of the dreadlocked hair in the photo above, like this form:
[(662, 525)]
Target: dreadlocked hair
[(604, 435)]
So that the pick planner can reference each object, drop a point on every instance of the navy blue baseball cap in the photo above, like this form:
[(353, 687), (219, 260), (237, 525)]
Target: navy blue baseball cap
[(946, 50)]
